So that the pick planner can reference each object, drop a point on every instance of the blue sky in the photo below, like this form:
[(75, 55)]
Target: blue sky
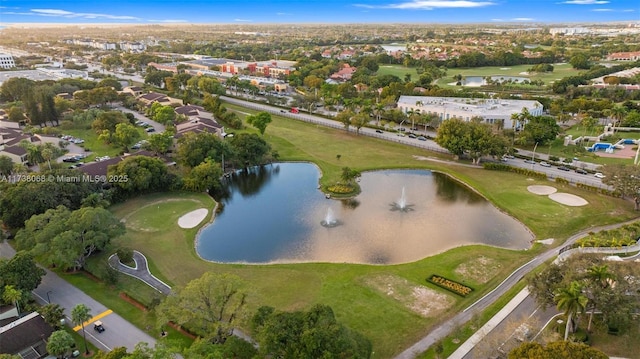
[(316, 11)]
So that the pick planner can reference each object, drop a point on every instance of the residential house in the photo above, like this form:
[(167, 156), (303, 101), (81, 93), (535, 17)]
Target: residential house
[(624, 56), (100, 168), (10, 139), (134, 91), (198, 125), (25, 337), (345, 73), (149, 98)]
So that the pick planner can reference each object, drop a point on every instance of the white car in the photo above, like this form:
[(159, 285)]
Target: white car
[(599, 175), (545, 164)]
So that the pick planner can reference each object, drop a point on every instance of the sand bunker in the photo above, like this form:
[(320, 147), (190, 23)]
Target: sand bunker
[(193, 218), (568, 199), (541, 190)]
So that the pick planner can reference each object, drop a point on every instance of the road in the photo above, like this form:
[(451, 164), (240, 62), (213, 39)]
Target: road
[(158, 127), (118, 333)]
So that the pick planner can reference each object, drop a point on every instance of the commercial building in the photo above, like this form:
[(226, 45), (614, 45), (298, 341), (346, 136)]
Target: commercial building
[(491, 110), (6, 61)]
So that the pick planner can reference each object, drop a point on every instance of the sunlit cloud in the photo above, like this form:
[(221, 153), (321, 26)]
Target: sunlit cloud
[(429, 4), (284, 14), (586, 2), (602, 10), (628, 10), (242, 20), (522, 19), (497, 20), (70, 14)]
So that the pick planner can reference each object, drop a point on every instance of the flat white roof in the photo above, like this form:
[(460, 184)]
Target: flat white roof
[(474, 106)]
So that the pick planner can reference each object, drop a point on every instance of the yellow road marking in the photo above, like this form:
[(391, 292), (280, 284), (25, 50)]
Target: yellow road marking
[(99, 316)]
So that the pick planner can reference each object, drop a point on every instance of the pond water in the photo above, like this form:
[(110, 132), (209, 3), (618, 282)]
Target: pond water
[(276, 214), (475, 81)]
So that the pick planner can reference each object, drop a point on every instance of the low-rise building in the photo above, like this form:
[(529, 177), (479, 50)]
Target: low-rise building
[(491, 110), (198, 125), (624, 56), (7, 61), (25, 337)]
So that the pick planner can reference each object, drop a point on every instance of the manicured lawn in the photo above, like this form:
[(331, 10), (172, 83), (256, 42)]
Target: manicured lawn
[(387, 321), (560, 71), (97, 147)]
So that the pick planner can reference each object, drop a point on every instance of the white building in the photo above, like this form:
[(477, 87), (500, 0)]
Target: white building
[(132, 46), (491, 110), (6, 61)]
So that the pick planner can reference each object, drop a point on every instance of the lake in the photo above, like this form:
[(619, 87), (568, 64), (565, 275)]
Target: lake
[(275, 214)]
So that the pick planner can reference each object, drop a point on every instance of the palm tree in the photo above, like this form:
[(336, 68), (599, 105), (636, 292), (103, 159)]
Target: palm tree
[(570, 300), (378, 109), (618, 112), (12, 295), (79, 315), (601, 277)]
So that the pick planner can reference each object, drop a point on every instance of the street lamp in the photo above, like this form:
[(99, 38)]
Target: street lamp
[(48, 299), (533, 156)]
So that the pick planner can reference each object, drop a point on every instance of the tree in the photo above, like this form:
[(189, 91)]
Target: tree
[(110, 82), (126, 135), (10, 294), (53, 314), (580, 61), (312, 334), (165, 115), (193, 148), (565, 350), (600, 276), (16, 114), (205, 176), (160, 143), (249, 149), (116, 353), (66, 239), (260, 121), (540, 129), (571, 301), (348, 175), (141, 174), (208, 305), (626, 181), (108, 121), (59, 343), (79, 315), (21, 272), (6, 165), (359, 120), (345, 117), (617, 112), (234, 347), (451, 135)]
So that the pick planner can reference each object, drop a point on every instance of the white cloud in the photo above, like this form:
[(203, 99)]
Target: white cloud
[(429, 4), (602, 10), (586, 2), (628, 10), (242, 20), (284, 14), (522, 19), (69, 14), (497, 20)]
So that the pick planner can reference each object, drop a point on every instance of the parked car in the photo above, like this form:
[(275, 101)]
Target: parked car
[(508, 156), (411, 135), (581, 171), (150, 129), (530, 162), (599, 175), (401, 134), (98, 327), (564, 168), (422, 138), (379, 131), (70, 159), (545, 164)]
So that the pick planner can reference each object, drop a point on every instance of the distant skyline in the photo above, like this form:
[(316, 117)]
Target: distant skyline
[(312, 11)]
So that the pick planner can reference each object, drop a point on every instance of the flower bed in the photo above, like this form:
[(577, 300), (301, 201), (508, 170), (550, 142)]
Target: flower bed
[(454, 287)]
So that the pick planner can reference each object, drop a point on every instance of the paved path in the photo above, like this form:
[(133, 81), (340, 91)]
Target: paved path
[(446, 328), (118, 333), (140, 271)]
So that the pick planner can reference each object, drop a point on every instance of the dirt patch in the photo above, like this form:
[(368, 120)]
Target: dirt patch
[(541, 190), (130, 300), (479, 270), (184, 332), (419, 299)]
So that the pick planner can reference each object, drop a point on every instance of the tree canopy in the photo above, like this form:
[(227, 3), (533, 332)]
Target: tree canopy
[(260, 121), (67, 238), (312, 334)]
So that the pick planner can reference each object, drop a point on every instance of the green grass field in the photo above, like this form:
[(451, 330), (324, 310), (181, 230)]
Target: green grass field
[(348, 287), (97, 147), (560, 71)]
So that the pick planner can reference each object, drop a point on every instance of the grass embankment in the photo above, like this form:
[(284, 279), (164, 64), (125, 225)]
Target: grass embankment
[(350, 289)]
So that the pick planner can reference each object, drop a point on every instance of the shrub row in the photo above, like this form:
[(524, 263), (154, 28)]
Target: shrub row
[(523, 171), (450, 285), (626, 235), (597, 189)]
